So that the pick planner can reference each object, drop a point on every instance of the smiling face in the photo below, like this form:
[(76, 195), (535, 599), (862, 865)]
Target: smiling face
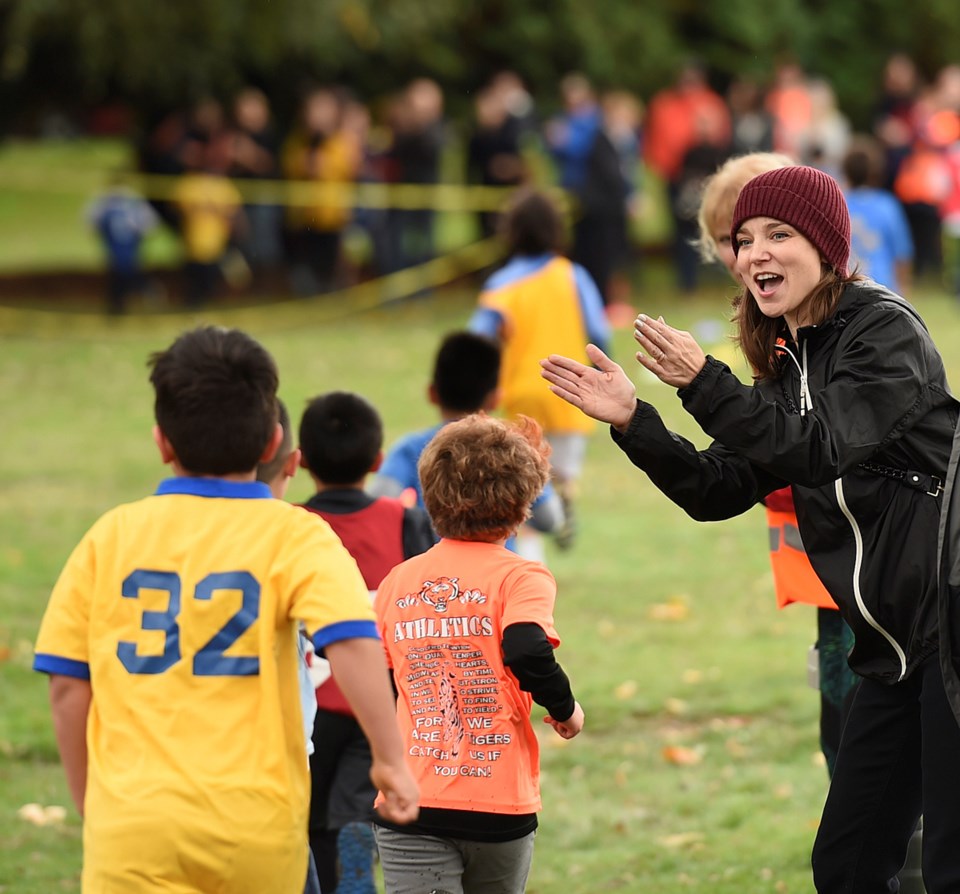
[(779, 266)]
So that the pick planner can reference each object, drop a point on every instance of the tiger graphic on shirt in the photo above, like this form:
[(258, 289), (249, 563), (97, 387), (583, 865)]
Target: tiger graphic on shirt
[(440, 594)]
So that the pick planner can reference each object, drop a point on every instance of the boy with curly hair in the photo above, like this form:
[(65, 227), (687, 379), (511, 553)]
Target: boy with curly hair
[(468, 630)]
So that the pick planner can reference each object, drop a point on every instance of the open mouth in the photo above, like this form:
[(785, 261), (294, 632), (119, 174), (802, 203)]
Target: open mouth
[(767, 282)]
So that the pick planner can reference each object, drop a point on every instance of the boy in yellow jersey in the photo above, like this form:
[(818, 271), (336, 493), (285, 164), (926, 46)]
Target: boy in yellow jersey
[(169, 640)]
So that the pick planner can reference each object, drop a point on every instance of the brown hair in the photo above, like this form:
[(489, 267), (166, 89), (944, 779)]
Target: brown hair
[(216, 399), (757, 333), (532, 224), (864, 164), (480, 475)]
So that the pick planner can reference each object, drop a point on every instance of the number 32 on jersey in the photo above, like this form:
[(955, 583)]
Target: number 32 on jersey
[(210, 660)]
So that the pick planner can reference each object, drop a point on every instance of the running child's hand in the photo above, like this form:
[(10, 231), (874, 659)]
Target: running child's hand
[(570, 727), (400, 797)]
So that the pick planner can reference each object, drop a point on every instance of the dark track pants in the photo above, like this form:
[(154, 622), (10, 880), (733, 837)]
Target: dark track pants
[(900, 756)]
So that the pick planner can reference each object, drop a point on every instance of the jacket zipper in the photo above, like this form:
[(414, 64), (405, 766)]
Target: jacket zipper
[(806, 403), (858, 560)]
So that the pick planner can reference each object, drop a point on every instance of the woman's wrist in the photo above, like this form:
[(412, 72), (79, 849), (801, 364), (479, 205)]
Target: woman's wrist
[(623, 423)]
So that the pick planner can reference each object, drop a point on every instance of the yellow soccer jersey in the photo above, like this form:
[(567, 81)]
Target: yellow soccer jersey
[(541, 316), (181, 609)]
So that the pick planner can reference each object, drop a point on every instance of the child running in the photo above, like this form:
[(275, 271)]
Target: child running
[(537, 302), (341, 440), (169, 641), (277, 474), (464, 381), (468, 630)]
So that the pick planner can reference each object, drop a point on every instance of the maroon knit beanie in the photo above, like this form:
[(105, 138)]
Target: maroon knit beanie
[(805, 198)]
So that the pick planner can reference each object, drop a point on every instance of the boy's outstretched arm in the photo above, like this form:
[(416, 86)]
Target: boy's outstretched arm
[(359, 668), (529, 656), (70, 703)]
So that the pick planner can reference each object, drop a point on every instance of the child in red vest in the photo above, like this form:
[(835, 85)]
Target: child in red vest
[(341, 440)]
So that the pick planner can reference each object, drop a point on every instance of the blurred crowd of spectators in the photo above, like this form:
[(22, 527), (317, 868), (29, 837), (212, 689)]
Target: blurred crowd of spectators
[(599, 148)]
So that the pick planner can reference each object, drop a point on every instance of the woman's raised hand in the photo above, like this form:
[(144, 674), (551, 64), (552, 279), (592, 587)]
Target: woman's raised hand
[(672, 355), (603, 391)]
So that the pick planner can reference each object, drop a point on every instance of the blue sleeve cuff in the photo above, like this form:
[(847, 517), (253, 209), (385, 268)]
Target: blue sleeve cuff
[(344, 630), (548, 493), (67, 667), (486, 321), (591, 306)]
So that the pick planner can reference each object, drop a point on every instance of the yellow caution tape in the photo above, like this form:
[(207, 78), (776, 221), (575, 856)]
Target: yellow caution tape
[(289, 314), (405, 196)]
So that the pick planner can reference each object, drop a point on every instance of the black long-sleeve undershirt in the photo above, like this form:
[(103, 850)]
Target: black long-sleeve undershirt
[(528, 654)]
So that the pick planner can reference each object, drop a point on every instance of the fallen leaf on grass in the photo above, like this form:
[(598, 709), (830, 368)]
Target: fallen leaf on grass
[(783, 792), (39, 815), (675, 706), (674, 609), (680, 839), (626, 690), (721, 724), (682, 756)]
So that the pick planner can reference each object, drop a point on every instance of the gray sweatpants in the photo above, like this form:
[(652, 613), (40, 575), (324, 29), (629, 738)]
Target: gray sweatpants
[(422, 864)]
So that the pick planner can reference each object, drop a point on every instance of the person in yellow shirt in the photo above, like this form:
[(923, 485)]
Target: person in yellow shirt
[(170, 643), (321, 151), (209, 206), (538, 301)]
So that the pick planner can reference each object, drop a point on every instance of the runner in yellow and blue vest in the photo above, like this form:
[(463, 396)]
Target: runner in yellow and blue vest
[(542, 303)]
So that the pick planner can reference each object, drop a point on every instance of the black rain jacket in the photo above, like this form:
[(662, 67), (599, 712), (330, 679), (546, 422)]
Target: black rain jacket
[(860, 424), (949, 555)]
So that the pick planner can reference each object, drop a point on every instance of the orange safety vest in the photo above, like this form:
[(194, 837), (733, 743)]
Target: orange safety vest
[(793, 576)]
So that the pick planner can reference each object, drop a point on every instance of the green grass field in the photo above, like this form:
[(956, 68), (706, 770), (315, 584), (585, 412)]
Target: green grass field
[(699, 767), (670, 631)]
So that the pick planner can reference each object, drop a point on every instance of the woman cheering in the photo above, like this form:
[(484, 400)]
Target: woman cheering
[(850, 407)]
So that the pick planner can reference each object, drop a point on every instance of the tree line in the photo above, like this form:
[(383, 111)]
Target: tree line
[(71, 55)]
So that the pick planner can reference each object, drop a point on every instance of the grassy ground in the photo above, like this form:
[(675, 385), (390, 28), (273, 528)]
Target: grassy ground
[(699, 767)]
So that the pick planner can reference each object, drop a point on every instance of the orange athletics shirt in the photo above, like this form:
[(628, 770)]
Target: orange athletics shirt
[(465, 722)]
